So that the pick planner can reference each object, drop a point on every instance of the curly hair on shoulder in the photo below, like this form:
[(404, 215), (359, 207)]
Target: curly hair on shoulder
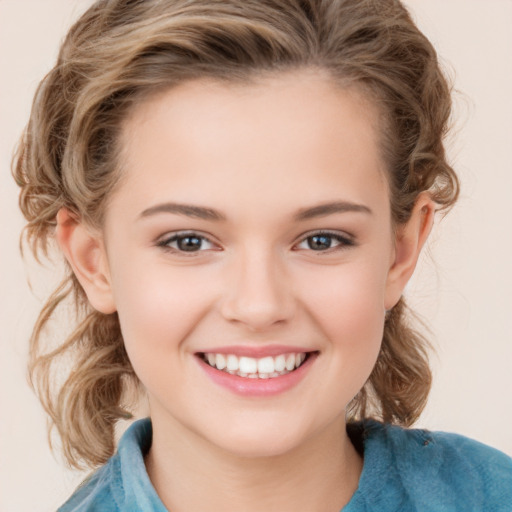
[(120, 52)]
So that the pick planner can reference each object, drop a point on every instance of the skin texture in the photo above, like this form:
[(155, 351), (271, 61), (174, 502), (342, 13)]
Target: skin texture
[(258, 154)]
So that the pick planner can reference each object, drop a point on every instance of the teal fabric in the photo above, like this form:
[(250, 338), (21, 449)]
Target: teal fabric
[(404, 470)]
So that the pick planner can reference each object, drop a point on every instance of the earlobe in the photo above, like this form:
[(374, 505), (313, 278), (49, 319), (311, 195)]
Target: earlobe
[(86, 255), (409, 241)]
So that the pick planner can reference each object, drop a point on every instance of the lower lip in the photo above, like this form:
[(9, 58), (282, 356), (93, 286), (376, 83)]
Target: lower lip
[(245, 386)]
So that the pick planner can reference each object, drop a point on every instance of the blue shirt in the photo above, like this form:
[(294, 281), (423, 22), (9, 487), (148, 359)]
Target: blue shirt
[(404, 470)]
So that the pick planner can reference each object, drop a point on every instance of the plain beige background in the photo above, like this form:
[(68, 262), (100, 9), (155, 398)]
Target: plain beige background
[(463, 287)]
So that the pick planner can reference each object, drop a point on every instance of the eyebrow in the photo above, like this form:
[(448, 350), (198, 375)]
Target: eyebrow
[(196, 212), (325, 209), (200, 212)]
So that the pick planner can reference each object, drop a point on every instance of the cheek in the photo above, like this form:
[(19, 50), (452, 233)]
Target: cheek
[(348, 306), (352, 295), (158, 308)]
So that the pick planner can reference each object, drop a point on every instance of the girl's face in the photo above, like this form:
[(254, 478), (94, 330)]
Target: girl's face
[(252, 229)]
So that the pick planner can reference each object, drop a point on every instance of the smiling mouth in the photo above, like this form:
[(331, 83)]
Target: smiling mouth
[(268, 367)]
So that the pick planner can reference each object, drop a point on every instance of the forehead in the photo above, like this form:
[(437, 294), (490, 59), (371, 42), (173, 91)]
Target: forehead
[(297, 133)]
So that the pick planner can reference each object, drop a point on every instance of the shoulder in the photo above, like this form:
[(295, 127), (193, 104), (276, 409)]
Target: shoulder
[(95, 492), (450, 453), (441, 471), (122, 484)]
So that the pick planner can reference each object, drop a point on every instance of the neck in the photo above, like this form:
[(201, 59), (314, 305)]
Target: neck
[(190, 474)]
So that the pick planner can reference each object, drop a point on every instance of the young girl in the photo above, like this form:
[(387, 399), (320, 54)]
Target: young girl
[(242, 191)]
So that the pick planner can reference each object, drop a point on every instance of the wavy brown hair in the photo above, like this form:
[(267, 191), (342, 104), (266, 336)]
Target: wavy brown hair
[(122, 51)]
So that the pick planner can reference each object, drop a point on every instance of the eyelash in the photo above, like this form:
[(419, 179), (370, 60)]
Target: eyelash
[(165, 243), (344, 242)]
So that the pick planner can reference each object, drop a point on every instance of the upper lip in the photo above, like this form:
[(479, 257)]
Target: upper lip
[(256, 351)]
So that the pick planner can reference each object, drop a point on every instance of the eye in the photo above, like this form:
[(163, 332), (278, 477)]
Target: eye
[(324, 241), (186, 243)]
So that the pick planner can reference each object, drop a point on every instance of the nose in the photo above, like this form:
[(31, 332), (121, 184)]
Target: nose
[(259, 294)]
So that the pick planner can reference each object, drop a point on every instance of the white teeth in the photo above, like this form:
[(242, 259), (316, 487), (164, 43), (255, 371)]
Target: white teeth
[(253, 368), (232, 363), (279, 363), (266, 365), (248, 365), (220, 361)]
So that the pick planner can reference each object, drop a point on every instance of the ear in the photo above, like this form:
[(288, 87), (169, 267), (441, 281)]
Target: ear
[(85, 252), (409, 241)]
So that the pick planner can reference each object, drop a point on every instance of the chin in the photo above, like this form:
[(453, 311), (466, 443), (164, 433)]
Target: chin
[(256, 447), (260, 439)]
